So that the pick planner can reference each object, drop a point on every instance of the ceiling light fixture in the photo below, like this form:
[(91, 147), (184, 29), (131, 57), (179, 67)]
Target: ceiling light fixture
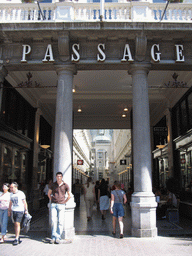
[(123, 115), (79, 109), (125, 109)]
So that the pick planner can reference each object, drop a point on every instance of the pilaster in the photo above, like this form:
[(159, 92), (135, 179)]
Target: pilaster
[(35, 160), (3, 74), (169, 142)]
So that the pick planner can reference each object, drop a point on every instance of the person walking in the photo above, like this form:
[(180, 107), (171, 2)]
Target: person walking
[(118, 198), (89, 197), (97, 193), (18, 207), (103, 198), (57, 198), (4, 205), (77, 192), (46, 190)]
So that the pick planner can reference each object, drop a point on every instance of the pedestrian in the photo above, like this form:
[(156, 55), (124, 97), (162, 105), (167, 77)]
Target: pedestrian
[(77, 192), (56, 195), (45, 190), (96, 193), (18, 207), (103, 198), (4, 205), (118, 198), (89, 197)]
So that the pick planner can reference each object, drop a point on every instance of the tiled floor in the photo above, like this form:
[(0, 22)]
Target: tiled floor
[(97, 226)]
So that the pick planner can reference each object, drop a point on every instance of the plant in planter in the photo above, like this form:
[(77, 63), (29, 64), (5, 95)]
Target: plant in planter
[(28, 1), (176, 1)]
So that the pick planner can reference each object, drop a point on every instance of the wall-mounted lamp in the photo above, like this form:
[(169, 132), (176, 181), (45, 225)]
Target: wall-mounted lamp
[(123, 115), (160, 146), (73, 90), (125, 109), (45, 146)]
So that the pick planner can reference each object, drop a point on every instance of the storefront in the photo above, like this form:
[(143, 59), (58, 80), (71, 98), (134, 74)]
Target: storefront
[(17, 128)]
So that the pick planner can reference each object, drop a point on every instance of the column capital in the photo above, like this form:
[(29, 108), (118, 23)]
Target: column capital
[(66, 69), (142, 67)]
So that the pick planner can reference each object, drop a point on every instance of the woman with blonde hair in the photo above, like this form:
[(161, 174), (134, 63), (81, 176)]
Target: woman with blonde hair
[(89, 197)]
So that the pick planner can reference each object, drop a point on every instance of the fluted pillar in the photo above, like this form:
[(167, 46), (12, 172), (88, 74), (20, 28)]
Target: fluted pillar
[(63, 148), (143, 204)]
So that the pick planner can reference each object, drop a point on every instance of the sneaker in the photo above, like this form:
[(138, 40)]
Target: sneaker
[(16, 242), (57, 241), (2, 241), (52, 241), (121, 236), (113, 233)]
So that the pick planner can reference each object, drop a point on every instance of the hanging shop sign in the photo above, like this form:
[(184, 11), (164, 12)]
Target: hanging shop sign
[(79, 162), (123, 162)]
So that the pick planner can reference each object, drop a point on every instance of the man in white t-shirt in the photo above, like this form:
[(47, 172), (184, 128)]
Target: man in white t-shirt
[(18, 206)]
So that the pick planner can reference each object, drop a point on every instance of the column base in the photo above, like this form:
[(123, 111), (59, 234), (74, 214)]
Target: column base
[(143, 209), (69, 229), (144, 232)]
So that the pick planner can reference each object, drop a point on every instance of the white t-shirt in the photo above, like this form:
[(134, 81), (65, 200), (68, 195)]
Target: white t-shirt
[(173, 199), (4, 200), (89, 190), (17, 201)]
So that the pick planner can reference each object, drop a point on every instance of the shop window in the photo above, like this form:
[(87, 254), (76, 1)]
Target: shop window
[(190, 110), (7, 166), (183, 170), (16, 112)]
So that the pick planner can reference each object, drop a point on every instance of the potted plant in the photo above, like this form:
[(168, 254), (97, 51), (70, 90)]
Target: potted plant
[(27, 1)]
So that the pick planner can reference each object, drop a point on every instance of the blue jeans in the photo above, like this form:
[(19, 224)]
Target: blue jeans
[(57, 220), (3, 221)]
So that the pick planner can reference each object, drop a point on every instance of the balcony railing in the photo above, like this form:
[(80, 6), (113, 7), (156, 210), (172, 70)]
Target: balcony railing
[(77, 11)]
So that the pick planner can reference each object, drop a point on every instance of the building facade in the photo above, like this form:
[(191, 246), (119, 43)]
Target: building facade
[(114, 55)]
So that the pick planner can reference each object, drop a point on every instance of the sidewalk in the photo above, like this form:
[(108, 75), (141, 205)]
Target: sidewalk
[(95, 238)]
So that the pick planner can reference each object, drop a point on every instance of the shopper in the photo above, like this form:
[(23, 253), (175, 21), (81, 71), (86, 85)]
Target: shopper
[(89, 197), (118, 198), (18, 206), (4, 205), (103, 198)]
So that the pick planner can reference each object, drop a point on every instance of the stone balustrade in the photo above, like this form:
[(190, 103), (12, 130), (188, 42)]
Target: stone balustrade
[(134, 11)]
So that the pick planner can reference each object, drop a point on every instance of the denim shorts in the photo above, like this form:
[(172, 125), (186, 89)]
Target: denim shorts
[(17, 216), (118, 210)]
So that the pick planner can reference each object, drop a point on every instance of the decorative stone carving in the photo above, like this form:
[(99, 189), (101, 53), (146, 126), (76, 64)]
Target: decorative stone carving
[(141, 48), (63, 46)]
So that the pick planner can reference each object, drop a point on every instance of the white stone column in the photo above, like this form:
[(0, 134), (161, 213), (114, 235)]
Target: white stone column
[(63, 148), (143, 203)]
